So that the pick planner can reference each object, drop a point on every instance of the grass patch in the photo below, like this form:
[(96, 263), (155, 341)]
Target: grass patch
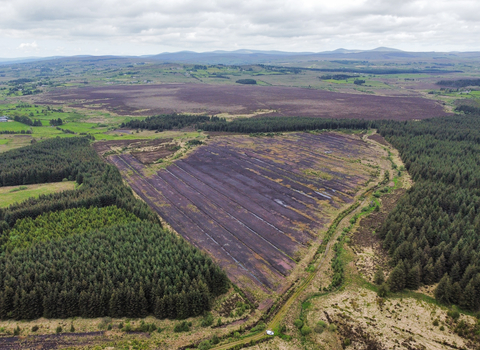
[(17, 194)]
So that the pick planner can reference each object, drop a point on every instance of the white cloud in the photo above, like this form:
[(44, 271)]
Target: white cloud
[(154, 26), (32, 45)]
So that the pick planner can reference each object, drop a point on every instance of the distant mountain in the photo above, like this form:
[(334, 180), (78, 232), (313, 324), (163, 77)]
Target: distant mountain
[(244, 56), (386, 49), (4, 61)]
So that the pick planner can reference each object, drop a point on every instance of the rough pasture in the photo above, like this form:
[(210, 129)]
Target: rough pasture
[(243, 100), (255, 204)]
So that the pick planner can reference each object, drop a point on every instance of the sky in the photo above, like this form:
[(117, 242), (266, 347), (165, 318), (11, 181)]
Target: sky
[(143, 27)]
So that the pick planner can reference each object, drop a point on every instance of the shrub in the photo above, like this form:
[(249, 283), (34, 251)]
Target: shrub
[(320, 326), (104, 323), (72, 329), (146, 327), (435, 323), (298, 323), (17, 331), (332, 328), (453, 314), (347, 342), (207, 320), (306, 330), (259, 327), (204, 345), (383, 290), (215, 339), (442, 328), (183, 326), (59, 329), (34, 328)]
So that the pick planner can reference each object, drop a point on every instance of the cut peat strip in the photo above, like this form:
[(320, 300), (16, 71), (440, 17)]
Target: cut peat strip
[(281, 222), (273, 236)]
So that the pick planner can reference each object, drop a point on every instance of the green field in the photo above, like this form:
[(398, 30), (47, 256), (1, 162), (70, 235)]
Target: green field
[(17, 194)]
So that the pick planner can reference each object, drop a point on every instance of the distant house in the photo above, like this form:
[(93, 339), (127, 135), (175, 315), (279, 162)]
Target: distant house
[(3, 119)]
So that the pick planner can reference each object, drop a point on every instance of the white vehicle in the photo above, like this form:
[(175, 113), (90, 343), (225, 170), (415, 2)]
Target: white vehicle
[(269, 332)]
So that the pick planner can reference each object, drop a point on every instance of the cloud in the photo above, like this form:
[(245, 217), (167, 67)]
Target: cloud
[(307, 25), (32, 45)]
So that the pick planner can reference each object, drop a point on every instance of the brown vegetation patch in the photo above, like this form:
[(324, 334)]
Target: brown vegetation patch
[(370, 322), (152, 156), (51, 341), (366, 244), (378, 138), (229, 305), (104, 146), (243, 100)]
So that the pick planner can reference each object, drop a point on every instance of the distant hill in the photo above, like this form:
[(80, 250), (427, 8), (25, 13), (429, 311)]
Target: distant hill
[(244, 56)]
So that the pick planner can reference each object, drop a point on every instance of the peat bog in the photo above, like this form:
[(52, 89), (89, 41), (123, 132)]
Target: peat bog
[(238, 100), (255, 204)]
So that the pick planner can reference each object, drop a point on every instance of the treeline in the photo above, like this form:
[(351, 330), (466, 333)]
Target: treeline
[(167, 122), (246, 81), (131, 270), (27, 121), (433, 234), (65, 158), (275, 124), (459, 83), (468, 109), (337, 77), (56, 122), (16, 132)]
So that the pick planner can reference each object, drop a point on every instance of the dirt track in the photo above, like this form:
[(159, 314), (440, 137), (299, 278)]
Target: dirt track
[(215, 99)]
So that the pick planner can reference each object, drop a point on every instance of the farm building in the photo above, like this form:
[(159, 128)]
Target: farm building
[(3, 118)]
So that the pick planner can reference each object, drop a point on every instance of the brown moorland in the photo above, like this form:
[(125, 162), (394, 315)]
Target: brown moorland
[(238, 100), (256, 204)]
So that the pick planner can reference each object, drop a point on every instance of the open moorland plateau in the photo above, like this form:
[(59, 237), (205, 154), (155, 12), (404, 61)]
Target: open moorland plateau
[(194, 201), (243, 100)]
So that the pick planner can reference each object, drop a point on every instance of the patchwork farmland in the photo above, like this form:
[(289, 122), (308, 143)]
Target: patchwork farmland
[(256, 204)]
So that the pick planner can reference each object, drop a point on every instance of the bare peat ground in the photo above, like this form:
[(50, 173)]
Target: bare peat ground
[(255, 204), (50, 341), (216, 99)]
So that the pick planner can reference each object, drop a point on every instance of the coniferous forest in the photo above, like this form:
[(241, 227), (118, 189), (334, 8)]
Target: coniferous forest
[(433, 234), (93, 251)]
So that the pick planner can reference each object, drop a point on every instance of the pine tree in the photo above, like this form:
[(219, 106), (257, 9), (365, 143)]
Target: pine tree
[(443, 290), (412, 280), (469, 299), (396, 280), (379, 277)]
